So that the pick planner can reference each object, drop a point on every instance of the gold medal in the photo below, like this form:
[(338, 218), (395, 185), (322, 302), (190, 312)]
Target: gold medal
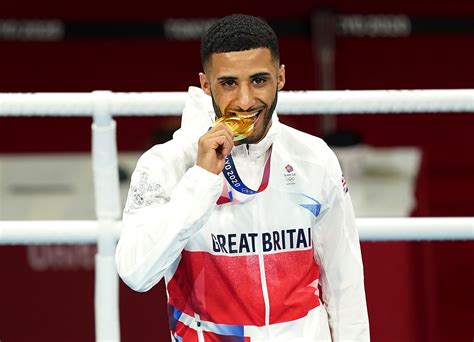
[(241, 126)]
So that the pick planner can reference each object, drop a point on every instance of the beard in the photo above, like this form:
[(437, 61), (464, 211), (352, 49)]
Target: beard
[(255, 136)]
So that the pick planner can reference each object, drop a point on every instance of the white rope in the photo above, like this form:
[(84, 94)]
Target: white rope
[(51, 232), (298, 102), (370, 229), (416, 228)]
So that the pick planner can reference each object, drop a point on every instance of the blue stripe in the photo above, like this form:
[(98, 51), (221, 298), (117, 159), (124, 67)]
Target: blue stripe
[(230, 173), (233, 333), (314, 208), (173, 317), (227, 330)]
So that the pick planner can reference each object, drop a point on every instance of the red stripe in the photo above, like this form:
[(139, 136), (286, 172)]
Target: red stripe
[(266, 174), (224, 197), (187, 333), (290, 276), (220, 289), (222, 200), (227, 289), (211, 337)]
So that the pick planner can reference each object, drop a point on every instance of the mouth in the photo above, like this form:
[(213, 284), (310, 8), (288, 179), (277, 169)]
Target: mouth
[(246, 115)]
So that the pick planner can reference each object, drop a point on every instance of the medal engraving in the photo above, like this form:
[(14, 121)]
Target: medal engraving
[(241, 126)]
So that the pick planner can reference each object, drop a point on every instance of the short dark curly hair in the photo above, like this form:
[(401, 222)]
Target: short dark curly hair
[(238, 32)]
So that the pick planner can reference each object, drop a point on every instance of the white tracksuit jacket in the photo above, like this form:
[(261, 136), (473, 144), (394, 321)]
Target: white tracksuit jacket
[(246, 270)]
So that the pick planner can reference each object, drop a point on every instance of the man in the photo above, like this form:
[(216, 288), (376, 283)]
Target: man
[(244, 224)]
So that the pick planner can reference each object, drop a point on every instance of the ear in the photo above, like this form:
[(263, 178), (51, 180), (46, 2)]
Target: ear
[(205, 85), (281, 77)]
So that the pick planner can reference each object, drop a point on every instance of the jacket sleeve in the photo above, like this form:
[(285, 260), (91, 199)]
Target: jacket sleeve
[(337, 251), (163, 210)]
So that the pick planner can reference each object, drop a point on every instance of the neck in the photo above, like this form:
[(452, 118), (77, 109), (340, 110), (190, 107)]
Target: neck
[(237, 143)]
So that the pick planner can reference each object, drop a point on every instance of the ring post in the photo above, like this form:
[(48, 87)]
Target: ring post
[(107, 207)]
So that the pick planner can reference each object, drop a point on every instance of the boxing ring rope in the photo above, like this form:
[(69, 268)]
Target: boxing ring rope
[(102, 105), (370, 229), (298, 102)]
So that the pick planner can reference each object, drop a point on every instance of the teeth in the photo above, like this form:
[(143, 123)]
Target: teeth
[(245, 114), (250, 115)]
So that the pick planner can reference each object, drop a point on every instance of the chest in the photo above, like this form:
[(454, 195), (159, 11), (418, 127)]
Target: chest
[(280, 218)]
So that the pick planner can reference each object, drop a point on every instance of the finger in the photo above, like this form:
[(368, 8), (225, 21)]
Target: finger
[(222, 144), (222, 127), (225, 129), (220, 132), (230, 139), (227, 147)]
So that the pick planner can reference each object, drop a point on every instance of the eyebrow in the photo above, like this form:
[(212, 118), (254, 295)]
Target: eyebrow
[(260, 74), (233, 78), (227, 78)]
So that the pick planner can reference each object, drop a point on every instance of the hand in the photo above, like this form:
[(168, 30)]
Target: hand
[(213, 147)]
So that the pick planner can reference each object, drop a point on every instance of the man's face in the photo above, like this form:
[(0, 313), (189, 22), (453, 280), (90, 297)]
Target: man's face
[(245, 82)]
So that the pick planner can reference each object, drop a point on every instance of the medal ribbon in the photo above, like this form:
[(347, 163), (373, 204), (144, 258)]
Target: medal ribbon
[(231, 175)]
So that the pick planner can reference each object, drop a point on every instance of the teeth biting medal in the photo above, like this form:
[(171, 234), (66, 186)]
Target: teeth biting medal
[(241, 124)]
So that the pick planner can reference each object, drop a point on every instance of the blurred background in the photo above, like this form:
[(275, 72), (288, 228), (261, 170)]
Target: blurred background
[(396, 165)]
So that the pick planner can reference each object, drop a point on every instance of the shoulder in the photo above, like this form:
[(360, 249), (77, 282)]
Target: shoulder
[(163, 163), (170, 155), (306, 146), (313, 152), (157, 172), (319, 160)]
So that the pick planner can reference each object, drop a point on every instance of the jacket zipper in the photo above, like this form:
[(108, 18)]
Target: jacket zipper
[(263, 279), (200, 334), (261, 261)]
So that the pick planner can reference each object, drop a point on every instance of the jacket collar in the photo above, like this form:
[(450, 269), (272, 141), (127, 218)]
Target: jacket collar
[(259, 149)]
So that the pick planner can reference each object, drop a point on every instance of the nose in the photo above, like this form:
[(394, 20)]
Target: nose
[(245, 98)]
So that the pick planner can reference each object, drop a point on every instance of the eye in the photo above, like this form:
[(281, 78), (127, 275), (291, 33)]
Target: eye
[(228, 83), (259, 80)]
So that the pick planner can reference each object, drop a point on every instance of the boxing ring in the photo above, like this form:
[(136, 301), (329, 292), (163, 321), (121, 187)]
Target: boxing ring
[(105, 231)]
